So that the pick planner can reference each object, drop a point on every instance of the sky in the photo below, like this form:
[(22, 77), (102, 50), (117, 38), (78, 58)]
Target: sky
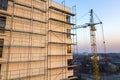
[(109, 13)]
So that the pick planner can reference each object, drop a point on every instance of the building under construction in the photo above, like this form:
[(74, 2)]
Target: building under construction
[(36, 40)]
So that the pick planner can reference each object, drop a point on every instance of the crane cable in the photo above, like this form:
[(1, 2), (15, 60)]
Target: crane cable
[(104, 43), (83, 16)]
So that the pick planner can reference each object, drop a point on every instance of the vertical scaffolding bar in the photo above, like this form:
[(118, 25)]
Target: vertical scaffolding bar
[(47, 33), (49, 40), (74, 31), (63, 7), (46, 54), (10, 43)]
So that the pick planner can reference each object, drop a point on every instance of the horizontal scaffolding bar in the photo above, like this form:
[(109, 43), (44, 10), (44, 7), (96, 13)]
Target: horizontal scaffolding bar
[(63, 11), (26, 46), (28, 76), (60, 55), (63, 67), (4, 29), (5, 13), (30, 19), (56, 67), (61, 43), (61, 32), (6, 62), (30, 7), (70, 78), (61, 21)]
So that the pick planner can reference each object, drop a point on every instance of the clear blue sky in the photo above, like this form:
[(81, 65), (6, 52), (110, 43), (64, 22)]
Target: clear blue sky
[(109, 13)]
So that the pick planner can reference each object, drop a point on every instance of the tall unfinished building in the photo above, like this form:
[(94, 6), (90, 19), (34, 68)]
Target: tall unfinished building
[(35, 40)]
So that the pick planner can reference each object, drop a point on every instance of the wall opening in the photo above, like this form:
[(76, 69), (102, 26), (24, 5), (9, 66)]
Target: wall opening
[(2, 24), (3, 4), (69, 62), (68, 48), (68, 33), (68, 19), (1, 47)]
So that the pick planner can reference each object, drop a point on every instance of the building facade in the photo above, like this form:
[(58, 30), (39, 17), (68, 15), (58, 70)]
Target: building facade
[(35, 40)]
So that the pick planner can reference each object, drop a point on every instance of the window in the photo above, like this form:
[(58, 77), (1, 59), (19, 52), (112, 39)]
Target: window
[(68, 19), (1, 47), (3, 4), (2, 23), (68, 33), (68, 48), (69, 62), (0, 70)]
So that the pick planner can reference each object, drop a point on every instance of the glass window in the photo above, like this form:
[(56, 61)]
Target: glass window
[(2, 23), (0, 70), (70, 63), (68, 48), (1, 47), (3, 4), (68, 33), (68, 19)]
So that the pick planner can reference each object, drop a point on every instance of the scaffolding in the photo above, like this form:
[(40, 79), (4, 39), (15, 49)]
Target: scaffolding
[(35, 40), (61, 21), (24, 49)]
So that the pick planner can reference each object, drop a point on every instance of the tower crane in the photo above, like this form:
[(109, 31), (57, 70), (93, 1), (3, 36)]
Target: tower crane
[(92, 27)]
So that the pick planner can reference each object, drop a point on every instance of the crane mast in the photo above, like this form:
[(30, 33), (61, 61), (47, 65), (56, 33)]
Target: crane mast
[(92, 27), (94, 47)]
